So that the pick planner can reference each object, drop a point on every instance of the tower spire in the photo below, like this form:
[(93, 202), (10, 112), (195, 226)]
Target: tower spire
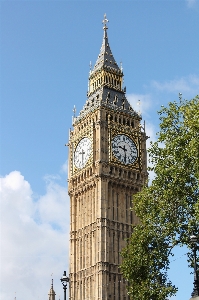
[(105, 83), (105, 58), (51, 293)]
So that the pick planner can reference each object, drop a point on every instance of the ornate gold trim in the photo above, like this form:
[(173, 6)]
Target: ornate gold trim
[(135, 136), (85, 133)]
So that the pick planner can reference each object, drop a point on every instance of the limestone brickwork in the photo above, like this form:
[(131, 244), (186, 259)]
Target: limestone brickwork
[(101, 191)]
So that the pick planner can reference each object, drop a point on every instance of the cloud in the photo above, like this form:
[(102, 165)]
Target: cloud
[(151, 133), (50, 206), (140, 102), (191, 3), (188, 85), (64, 167), (34, 237)]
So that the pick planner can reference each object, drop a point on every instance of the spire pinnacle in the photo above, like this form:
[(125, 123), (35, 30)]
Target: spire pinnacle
[(74, 111), (105, 58), (90, 68), (121, 68), (104, 22), (51, 293), (105, 83)]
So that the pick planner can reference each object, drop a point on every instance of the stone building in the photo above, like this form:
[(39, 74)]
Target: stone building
[(107, 165)]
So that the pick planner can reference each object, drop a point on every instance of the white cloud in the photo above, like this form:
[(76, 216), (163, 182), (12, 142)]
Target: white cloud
[(191, 3), (34, 238), (151, 133), (50, 206), (64, 167), (188, 85), (140, 103)]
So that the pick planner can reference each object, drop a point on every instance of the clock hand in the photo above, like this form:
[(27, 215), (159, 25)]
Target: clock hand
[(124, 156), (123, 148), (82, 153)]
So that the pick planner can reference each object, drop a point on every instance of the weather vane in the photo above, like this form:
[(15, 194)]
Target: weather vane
[(105, 21)]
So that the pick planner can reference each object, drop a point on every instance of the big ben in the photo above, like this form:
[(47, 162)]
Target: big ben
[(107, 165)]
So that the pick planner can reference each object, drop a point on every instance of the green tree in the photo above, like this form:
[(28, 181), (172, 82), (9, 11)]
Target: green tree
[(169, 208)]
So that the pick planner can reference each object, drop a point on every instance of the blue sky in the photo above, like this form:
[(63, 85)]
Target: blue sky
[(46, 48)]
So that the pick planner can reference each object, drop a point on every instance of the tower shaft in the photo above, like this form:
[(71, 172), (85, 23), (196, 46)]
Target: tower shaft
[(107, 165)]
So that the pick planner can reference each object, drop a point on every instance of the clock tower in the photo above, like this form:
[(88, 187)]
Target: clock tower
[(107, 165)]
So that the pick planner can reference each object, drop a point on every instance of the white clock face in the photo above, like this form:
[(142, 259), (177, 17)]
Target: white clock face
[(82, 153), (124, 149)]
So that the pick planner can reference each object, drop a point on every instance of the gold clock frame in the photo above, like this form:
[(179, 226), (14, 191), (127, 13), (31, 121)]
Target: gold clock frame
[(87, 133), (135, 136)]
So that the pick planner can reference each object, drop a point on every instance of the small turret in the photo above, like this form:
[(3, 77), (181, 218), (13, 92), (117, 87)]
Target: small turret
[(51, 293)]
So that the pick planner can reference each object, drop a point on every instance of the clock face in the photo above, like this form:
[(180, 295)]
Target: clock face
[(124, 149), (82, 153)]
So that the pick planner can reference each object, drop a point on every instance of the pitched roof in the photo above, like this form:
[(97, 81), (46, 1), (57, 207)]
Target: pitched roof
[(105, 58)]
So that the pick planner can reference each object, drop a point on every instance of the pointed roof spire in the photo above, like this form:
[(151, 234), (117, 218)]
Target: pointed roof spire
[(105, 86), (51, 293), (105, 58)]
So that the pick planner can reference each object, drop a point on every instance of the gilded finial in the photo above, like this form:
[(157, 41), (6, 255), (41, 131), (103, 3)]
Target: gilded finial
[(105, 21), (74, 111), (90, 66), (138, 103), (121, 68)]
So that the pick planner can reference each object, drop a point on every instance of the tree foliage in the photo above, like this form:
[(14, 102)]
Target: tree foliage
[(169, 208)]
